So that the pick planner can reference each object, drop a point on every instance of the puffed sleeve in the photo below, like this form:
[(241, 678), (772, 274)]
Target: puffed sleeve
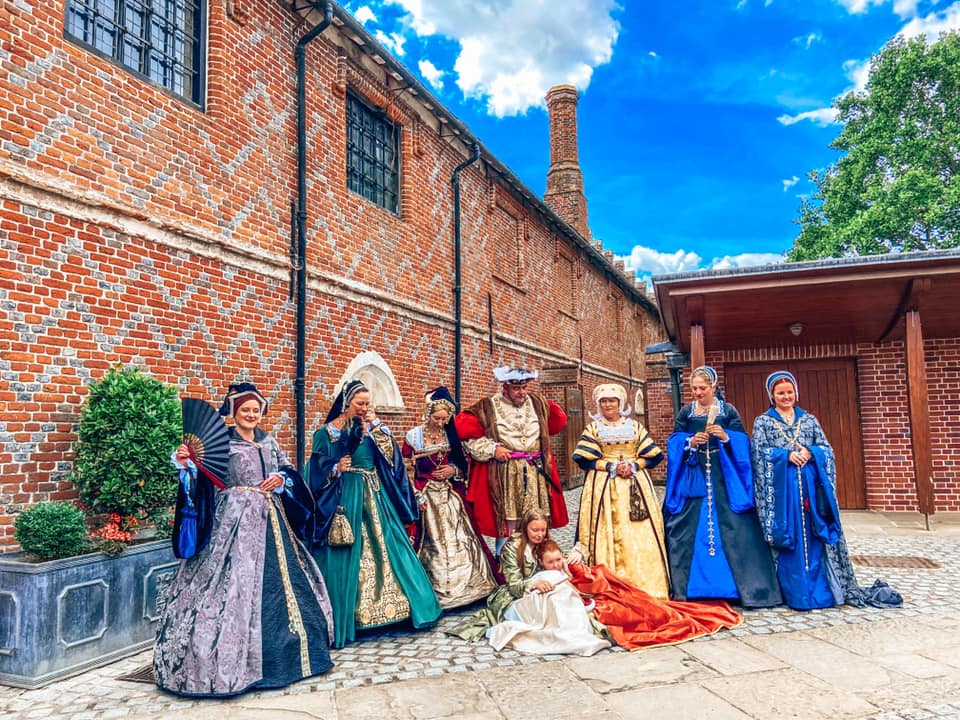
[(588, 454), (556, 418), (471, 434)]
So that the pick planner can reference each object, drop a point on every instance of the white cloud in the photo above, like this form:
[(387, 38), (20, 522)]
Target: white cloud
[(790, 182), (821, 117), (392, 42), (905, 8), (512, 51), (930, 26), (807, 40), (744, 260), (933, 24), (858, 72), (652, 54), (646, 262), (365, 15), (431, 74), (856, 7)]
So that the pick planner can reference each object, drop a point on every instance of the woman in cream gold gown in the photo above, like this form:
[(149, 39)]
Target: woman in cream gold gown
[(459, 565)]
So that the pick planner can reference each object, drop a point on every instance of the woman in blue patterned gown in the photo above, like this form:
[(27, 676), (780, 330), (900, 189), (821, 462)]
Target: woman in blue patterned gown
[(795, 487)]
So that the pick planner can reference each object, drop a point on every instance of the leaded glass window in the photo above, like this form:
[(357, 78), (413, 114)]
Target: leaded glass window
[(373, 154), (162, 40)]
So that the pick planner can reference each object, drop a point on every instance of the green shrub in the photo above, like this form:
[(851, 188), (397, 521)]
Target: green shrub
[(129, 425), (51, 530)]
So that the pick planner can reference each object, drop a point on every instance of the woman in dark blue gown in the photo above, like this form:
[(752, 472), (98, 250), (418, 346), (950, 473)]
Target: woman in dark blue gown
[(715, 544)]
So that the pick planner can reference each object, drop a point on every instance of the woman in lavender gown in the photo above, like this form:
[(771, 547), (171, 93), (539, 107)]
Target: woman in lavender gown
[(250, 610)]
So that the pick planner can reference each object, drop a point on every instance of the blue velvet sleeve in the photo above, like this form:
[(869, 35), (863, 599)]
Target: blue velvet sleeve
[(734, 457), (780, 519), (684, 476), (324, 482), (824, 508)]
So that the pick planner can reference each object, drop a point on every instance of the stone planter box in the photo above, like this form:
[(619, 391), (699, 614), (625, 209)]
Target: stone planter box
[(62, 617)]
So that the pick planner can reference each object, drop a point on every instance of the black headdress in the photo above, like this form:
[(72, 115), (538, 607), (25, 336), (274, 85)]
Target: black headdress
[(342, 401), (354, 432), (443, 396)]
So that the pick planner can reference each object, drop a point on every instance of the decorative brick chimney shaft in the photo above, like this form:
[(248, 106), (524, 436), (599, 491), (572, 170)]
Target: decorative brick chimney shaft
[(564, 180)]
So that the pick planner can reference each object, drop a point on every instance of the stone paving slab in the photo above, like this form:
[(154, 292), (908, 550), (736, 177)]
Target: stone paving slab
[(732, 656), (895, 636), (788, 693), (640, 668), (915, 693), (836, 666), (919, 666), (546, 690), (676, 702), (461, 697)]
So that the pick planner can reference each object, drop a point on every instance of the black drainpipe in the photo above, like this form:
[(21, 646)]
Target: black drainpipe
[(457, 274), (301, 253)]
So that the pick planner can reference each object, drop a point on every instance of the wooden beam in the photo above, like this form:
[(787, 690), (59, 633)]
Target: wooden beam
[(919, 413), (697, 357), (910, 300), (695, 309)]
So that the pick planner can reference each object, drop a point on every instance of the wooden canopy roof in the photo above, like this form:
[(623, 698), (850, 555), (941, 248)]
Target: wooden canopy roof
[(858, 300)]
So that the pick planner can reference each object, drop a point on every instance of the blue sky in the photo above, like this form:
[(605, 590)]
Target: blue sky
[(698, 120)]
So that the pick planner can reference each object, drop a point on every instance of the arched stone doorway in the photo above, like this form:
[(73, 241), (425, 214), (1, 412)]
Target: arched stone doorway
[(375, 372)]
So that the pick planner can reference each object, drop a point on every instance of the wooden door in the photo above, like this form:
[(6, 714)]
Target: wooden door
[(828, 389), (573, 406)]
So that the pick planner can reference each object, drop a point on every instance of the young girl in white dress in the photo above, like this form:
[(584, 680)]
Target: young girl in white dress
[(551, 618)]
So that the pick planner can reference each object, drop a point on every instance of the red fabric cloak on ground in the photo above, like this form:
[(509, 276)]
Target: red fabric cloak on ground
[(636, 619)]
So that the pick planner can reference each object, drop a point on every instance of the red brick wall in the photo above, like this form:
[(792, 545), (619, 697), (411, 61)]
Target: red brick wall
[(884, 418), (136, 228), (886, 424), (660, 418), (943, 382)]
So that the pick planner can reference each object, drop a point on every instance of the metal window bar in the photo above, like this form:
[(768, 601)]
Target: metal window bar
[(372, 155), (159, 39)]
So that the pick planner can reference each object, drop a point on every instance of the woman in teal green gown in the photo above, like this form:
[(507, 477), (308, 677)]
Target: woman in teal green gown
[(363, 499)]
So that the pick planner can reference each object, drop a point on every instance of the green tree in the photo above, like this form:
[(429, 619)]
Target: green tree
[(896, 187)]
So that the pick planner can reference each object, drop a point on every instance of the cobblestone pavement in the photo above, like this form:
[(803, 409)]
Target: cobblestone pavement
[(402, 653)]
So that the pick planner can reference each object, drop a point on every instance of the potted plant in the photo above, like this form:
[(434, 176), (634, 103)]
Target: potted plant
[(129, 425), (76, 598)]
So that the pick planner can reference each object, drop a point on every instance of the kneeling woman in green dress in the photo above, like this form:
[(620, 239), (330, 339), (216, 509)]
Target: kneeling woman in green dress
[(363, 498)]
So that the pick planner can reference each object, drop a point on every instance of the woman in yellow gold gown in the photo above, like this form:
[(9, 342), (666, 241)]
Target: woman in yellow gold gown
[(621, 525)]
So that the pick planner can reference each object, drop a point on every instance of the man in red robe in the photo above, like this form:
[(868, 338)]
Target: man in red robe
[(508, 439)]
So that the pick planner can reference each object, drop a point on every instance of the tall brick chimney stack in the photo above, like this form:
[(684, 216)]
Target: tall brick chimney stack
[(564, 180)]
